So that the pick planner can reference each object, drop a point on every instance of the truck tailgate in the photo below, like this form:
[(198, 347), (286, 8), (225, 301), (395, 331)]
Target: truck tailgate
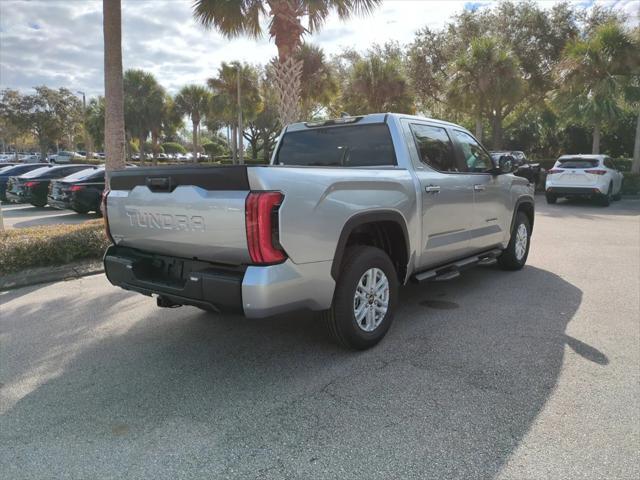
[(191, 212)]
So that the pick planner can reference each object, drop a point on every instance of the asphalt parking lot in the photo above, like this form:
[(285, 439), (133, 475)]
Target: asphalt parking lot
[(25, 215), (521, 375)]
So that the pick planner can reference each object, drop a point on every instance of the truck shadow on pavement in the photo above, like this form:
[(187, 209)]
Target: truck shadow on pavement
[(450, 392)]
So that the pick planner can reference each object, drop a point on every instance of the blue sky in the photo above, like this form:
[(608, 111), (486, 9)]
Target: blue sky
[(59, 43)]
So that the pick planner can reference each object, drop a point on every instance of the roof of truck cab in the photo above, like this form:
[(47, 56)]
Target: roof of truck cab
[(372, 118)]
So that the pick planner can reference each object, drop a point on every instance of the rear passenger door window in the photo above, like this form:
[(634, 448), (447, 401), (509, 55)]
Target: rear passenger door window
[(475, 157), (434, 147)]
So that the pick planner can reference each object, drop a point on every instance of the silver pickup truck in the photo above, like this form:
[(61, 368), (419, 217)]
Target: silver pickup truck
[(348, 210)]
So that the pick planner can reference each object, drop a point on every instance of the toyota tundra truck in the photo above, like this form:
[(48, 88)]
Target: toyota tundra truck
[(347, 211)]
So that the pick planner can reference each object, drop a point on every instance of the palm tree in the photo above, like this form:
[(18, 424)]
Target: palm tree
[(144, 100), (486, 81), (319, 84), (113, 88), (376, 83), (224, 104), (243, 17), (193, 101), (592, 77)]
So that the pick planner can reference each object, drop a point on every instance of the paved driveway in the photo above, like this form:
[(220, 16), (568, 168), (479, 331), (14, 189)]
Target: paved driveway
[(525, 375)]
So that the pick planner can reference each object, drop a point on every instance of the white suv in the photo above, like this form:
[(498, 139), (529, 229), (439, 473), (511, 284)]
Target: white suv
[(591, 176)]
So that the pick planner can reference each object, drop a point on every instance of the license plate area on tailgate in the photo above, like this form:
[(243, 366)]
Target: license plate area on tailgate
[(169, 271)]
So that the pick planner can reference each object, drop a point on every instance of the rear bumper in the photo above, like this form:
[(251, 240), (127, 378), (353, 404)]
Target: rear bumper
[(17, 197), (58, 204), (255, 291), (574, 191)]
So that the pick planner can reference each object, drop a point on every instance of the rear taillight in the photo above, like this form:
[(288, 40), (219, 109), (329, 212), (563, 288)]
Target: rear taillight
[(262, 227), (554, 170), (596, 172), (77, 188), (103, 209), (31, 184)]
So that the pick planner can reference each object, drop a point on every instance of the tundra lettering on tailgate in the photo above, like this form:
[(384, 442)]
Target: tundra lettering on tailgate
[(165, 221)]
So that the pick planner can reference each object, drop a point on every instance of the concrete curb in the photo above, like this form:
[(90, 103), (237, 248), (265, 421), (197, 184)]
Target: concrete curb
[(34, 276)]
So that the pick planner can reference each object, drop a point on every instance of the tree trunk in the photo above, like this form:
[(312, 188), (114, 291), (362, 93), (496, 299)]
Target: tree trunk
[(113, 88), (635, 164), (595, 149), (154, 142), (195, 141), (141, 141), (234, 144), (479, 128), (240, 126), (496, 134), (287, 75)]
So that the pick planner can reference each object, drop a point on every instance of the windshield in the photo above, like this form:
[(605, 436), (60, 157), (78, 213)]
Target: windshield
[(577, 163), (83, 174), (347, 146)]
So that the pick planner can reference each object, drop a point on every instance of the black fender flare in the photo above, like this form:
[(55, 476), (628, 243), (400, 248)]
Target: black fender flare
[(523, 201), (361, 219)]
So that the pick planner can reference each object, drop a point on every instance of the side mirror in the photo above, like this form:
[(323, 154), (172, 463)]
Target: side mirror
[(505, 164)]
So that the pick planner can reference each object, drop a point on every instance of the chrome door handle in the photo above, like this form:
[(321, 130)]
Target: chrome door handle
[(478, 188), (432, 189)]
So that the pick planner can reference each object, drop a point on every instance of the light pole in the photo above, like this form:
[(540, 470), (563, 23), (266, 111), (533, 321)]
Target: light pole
[(240, 136), (87, 140)]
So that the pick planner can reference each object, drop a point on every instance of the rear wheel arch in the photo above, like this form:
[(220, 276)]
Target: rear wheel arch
[(386, 229)]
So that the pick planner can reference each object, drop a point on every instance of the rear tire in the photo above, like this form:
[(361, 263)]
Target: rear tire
[(516, 253), (605, 199), (38, 204), (618, 196), (551, 199), (358, 318)]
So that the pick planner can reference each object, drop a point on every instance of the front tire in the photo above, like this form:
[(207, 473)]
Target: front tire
[(551, 199), (516, 253), (365, 298)]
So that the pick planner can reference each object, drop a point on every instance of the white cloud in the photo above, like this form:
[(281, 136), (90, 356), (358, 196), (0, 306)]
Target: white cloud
[(59, 43)]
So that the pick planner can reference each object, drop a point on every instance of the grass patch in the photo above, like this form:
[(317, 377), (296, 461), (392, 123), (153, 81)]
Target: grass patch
[(51, 245)]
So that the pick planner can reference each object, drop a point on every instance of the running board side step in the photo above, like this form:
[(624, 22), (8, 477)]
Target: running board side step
[(452, 270)]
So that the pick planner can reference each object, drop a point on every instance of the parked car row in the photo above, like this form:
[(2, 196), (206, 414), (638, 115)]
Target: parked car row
[(75, 187), (19, 158)]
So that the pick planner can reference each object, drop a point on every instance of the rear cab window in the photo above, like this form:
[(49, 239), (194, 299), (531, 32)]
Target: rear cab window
[(338, 146)]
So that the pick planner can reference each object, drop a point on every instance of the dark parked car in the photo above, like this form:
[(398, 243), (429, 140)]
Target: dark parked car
[(32, 187), (13, 170), (521, 166), (80, 191)]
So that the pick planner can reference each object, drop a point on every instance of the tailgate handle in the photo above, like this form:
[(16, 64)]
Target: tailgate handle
[(159, 184)]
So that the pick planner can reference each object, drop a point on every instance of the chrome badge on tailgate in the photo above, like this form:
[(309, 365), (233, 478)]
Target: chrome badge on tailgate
[(164, 221)]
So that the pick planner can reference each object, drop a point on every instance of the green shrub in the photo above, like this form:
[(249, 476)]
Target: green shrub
[(51, 245), (173, 147), (631, 184), (215, 149)]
